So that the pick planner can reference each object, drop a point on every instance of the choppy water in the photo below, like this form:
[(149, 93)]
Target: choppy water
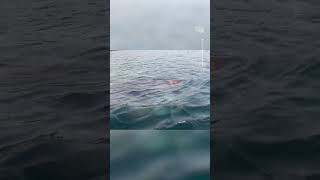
[(53, 83), (160, 155), (266, 89), (142, 97)]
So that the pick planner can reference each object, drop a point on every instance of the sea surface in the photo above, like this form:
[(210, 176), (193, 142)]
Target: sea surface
[(266, 86), (54, 89), (53, 83), (160, 155), (160, 89)]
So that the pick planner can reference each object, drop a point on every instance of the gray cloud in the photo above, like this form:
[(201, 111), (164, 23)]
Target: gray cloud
[(159, 24)]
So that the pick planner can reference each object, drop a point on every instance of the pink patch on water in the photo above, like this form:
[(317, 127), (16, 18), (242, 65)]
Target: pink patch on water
[(173, 82)]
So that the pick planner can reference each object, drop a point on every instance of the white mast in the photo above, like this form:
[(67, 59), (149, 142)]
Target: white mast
[(200, 29)]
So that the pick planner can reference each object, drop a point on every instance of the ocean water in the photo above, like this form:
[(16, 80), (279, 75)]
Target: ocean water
[(53, 85), (160, 155), (160, 89), (53, 101), (265, 93)]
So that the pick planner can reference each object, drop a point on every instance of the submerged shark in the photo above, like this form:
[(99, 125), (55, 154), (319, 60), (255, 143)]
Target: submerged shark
[(173, 81)]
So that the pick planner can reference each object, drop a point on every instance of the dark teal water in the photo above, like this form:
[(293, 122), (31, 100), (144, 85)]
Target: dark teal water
[(266, 90), (160, 155), (142, 97), (53, 86)]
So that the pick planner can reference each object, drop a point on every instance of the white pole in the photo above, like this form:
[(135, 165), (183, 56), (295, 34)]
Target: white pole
[(202, 52)]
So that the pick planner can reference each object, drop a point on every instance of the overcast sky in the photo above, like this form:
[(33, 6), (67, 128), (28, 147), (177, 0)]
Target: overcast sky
[(159, 24)]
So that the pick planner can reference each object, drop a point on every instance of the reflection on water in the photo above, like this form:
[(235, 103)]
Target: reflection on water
[(160, 90), (160, 155)]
